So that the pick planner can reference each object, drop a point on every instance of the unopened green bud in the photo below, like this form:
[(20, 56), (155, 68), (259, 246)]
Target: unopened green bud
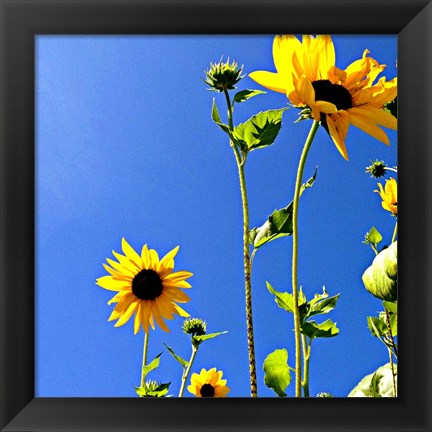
[(380, 279), (223, 75), (324, 394), (377, 169), (195, 326)]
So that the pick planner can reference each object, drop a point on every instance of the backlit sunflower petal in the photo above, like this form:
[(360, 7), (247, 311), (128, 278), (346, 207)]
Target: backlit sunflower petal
[(117, 297), (271, 80), (126, 315), (176, 294), (328, 60), (137, 319), (125, 302), (376, 115), (154, 259), (181, 311), (337, 136), (283, 49), (178, 276), (366, 124), (306, 91), (168, 260), (120, 268), (145, 314), (130, 252), (114, 315), (145, 257), (126, 262), (158, 317)]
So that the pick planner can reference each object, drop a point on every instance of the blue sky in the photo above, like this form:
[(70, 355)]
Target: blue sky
[(125, 147)]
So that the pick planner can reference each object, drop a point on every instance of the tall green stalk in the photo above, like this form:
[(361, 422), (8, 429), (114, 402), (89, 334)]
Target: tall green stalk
[(144, 361), (298, 184), (186, 372), (246, 258)]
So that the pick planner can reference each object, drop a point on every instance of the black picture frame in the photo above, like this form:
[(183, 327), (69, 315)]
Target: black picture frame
[(21, 20)]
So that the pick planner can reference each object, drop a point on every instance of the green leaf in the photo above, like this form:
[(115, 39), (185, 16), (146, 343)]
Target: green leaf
[(373, 237), (243, 95), (376, 384), (285, 300), (376, 326), (324, 330), (181, 360), (216, 118), (394, 325), (260, 130), (322, 305), (277, 375), (151, 366), (278, 224), (202, 338), (390, 306)]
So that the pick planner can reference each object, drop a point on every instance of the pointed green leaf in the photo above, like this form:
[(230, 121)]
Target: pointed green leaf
[(202, 338), (148, 391), (260, 130), (285, 300), (376, 326), (394, 325), (181, 360), (277, 374), (324, 330), (390, 306), (151, 366), (373, 237), (216, 118), (376, 384), (243, 95), (322, 305), (278, 224)]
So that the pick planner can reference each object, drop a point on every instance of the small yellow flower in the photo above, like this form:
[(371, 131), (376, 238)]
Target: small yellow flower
[(146, 286), (388, 195), (208, 384), (307, 75)]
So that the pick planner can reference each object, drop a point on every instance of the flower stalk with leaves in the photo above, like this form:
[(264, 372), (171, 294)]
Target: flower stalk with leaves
[(259, 131)]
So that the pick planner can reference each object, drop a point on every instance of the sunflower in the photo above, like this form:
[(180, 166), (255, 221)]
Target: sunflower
[(388, 195), (146, 286), (208, 384), (306, 73)]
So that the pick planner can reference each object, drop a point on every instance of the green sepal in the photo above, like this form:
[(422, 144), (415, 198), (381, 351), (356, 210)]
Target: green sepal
[(260, 130), (279, 223), (181, 360), (146, 391), (376, 384), (244, 95), (314, 330), (277, 374)]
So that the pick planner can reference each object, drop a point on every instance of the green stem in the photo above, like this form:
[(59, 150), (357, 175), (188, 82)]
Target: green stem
[(306, 360), (395, 231), (186, 373), (246, 258), (391, 352), (144, 361), (299, 178)]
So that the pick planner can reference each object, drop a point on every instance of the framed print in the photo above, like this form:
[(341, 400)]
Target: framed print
[(200, 200)]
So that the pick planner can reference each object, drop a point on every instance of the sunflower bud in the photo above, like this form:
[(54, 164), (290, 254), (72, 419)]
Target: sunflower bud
[(324, 394), (380, 279), (223, 76), (377, 169), (195, 326)]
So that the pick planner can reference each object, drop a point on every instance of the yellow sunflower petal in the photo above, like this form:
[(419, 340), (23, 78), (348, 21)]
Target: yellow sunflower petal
[(154, 259), (138, 318), (270, 80), (145, 257), (168, 260), (145, 314), (120, 268), (126, 262), (338, 134), (158, 317), (305, 90), (283, 49), (126, 315), (117, 297), (377, 115), (109, 283), (181, 311), (130, 252), (363, 121)]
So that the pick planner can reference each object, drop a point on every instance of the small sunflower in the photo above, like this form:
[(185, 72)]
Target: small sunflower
[(388, 195), (146, 286), (306, 73), (208, 384)]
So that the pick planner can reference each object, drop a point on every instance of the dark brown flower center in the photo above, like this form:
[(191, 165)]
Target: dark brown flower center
[(147, 285), (207, 390), (333, 93)]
